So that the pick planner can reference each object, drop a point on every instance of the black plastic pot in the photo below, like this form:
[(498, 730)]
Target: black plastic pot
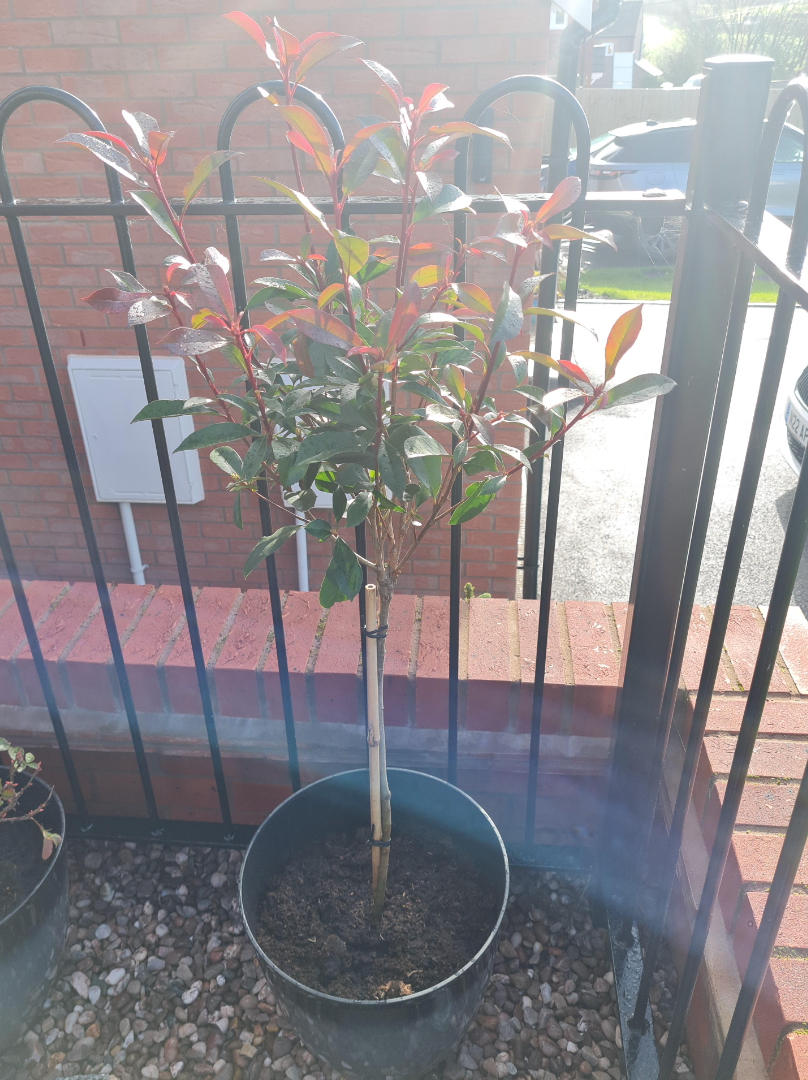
[(377, 1040), (32, 936)]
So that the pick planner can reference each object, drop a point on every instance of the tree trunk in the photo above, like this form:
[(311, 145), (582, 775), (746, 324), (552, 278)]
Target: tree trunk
[(386, 586)]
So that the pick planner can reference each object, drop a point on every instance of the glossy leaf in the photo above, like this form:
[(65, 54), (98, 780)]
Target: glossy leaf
[(459, 129), (475, 297), (146, 311), (563, 396), (359, 509), (205, 168), (157, 212), (296, 196), (251, 27), (391, 467), (352, 250), (426, 276), (454, 380), (387, 78), (319, 529), (433, 99), (160, 409), (508, 317), (113, 301), (254, 458), (229, 461), (448, 200), (329, 293), (325, 328), (621, 337), (185, 341), (327, 445), (640, 388), (318, 47), (320, 147), (477, 496), (428, 471), (141, 124), (556, 313), (275, 255), (213, 435), (106, 153), (423, 445), (567, 193), (344, 570), (267, 546)]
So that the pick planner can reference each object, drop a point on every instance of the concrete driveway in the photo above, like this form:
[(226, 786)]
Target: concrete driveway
[(606, 459)]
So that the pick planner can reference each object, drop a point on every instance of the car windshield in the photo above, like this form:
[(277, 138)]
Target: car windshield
[(648, 147)]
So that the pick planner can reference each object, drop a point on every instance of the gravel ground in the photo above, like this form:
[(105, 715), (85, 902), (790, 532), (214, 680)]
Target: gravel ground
[(159, 980)]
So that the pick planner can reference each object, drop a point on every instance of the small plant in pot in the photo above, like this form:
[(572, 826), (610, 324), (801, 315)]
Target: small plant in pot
[(378, 942), (33, 888)]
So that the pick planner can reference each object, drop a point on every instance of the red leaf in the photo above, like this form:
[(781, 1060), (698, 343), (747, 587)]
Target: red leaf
[(572, 371), (430, 92), (325, 328), (388, 80), (251, 27), (106, 137), (158, 145), (567, 193), (317, 47), (287, 44), (113, 301), (621, 337), (273, 340), (406, 312)]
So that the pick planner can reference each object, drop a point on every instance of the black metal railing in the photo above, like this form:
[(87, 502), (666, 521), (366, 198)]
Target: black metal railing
[(726, 235)]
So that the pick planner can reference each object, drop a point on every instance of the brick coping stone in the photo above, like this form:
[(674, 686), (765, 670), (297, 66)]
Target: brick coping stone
[(497, 662)]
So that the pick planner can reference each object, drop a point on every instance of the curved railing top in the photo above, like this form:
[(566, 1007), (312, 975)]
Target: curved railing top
[(27, 94)]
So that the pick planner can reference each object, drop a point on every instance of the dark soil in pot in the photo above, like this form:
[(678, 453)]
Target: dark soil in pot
[(438, 913), (21, 864)]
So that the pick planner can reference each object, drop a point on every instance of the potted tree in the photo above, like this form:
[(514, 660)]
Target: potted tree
[(379, 945), (33, 889)]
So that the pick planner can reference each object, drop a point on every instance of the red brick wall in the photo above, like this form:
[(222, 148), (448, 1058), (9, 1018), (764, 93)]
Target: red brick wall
[(180, 61)]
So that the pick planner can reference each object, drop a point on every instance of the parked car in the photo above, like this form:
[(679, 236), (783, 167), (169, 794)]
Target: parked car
[(652, 154), (796, 418)]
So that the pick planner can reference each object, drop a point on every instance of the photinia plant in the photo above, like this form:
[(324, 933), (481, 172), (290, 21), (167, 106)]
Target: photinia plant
[(338, 394), (23, 767)]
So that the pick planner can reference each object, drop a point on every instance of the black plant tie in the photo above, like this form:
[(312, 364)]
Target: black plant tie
[(380, 843), (377, 635)]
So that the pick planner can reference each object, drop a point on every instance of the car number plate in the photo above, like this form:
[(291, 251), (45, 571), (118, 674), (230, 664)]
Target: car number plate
[(796, 425)]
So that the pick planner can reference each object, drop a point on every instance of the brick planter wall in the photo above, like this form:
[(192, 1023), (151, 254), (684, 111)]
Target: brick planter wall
[(496, 668)]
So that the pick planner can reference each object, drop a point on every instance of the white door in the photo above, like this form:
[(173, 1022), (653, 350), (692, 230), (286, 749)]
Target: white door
[(623, 71)]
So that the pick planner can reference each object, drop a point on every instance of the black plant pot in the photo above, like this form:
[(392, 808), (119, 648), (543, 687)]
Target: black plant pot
[(375, 1040), (32, 936)]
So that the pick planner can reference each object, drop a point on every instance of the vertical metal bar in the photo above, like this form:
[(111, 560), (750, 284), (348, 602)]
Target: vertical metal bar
[(280, 643), (793, 544), (13, 102), (731, 112), (42, 672), (787, 866)]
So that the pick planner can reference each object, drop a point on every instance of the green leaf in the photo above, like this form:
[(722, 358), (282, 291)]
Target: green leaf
[(359, 509), (213, 435), (423, 445), (352, 250), (228, 461), (203, 170), (345, 570), (267, 546), (508, 316), (319, 529), (448, 200), (391, 467), (478, 496), (460, 452), (254, 458), (519, 365), (324, 445), (106, 153), (339, 502), (237, 521), (428, 471), (158, 410), (481, 461), (157, 212), (567, 316), (296, 196), (640, 388), (329, 592)]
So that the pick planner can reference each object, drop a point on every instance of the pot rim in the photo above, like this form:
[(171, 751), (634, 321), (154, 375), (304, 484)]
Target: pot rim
[(53, 859), (369, 1003)]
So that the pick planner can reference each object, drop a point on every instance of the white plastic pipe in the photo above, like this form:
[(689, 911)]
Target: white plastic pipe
[(302, 561), (132, 546)]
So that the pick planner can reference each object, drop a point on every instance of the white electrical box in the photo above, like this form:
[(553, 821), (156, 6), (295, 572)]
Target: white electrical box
[(109, 392)]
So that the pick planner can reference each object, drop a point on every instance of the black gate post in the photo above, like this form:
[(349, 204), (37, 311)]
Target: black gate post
[(730, 121)]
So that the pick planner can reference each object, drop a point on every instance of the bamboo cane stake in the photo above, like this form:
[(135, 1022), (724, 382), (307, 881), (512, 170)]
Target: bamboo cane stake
[(374, 737)]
